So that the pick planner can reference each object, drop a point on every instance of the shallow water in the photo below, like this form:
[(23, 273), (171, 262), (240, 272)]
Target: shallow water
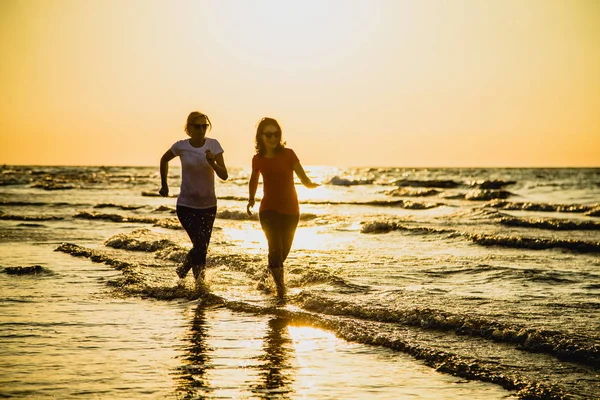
[(423, 283), (66, 335)]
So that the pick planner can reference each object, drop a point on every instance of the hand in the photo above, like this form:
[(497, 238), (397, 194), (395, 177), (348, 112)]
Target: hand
[(312, 185), (249, 206), (164, 191), (210, 157)]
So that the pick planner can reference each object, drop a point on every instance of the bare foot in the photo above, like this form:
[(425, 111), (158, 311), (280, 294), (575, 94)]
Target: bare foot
[(184, 268)]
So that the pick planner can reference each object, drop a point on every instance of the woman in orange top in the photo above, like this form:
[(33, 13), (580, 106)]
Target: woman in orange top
[(279, 212)]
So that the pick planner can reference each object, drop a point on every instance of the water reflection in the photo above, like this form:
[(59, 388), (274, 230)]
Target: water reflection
[(193, 382), (275, 366), (234, 366)]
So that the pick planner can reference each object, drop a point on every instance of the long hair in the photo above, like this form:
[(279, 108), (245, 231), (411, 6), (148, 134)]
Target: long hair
[(190, 120), (258, 143)]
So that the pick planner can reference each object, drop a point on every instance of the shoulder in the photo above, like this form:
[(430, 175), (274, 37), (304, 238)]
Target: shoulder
[(214, 145), (180, 144), (289, 153)]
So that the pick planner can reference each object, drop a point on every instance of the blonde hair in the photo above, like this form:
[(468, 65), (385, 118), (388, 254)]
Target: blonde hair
[(190, 120)]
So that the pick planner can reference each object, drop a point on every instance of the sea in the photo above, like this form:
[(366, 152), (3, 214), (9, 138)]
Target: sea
[(403, 283)]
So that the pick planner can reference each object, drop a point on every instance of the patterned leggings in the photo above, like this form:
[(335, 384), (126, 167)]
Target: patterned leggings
[(198, 223), (279, 230)]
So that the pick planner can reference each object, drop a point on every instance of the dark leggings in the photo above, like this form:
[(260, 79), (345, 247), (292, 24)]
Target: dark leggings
[(279, 230), (198, 223)]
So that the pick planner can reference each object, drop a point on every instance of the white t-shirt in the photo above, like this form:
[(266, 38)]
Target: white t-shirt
[(197, 176)]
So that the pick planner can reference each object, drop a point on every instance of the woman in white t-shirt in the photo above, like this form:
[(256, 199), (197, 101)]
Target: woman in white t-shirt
[(200, 158)]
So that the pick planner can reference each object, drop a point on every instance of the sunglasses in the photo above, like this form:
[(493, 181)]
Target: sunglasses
[(199, 126), (269, 135)]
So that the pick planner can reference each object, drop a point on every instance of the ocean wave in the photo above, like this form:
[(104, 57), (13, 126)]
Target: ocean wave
[(570, 208), (26, 225), (490, 273), (237, 198), (55, 177), (490, 184), (139, 240), (412, 205), (237, 215), (535, 340), (121, 207), (13, 181), (388, 226), (552, 277), (144, 240), (9, 203), (475, 214), (453, 196), (594, 212), (155, 194), (53, 186), (10, 217), (94, 255), (419, 192), (443, 184), (169, 223), (487, 194), (114, 217), (339, 181), (133, 282), (28, 270), (551, 224), (310, 276), (165, 208), (578, 246), (593, 286)]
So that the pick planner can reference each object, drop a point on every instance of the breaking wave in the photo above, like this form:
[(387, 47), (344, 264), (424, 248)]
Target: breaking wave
[(388, 226), (519, 242), (578, 246), (487, 194), (10, 217), (570, 208), (551, 224)]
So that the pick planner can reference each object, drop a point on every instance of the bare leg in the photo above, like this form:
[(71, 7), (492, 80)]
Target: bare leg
[(279, 281)]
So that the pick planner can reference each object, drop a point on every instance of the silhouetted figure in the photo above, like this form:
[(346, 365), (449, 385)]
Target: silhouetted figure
[(200, 158), (279, 211)]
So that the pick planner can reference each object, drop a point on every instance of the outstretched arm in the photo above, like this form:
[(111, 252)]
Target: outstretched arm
[(303, 178), (164, 172), (252, 186)]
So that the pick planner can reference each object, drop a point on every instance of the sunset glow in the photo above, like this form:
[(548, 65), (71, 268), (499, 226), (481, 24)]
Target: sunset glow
[(353, 83)]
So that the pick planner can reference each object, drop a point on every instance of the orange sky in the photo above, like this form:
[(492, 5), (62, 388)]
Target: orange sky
[(353, 83)]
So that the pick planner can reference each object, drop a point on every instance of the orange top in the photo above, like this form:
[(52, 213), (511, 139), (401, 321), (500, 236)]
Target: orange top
[(278, 182)]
